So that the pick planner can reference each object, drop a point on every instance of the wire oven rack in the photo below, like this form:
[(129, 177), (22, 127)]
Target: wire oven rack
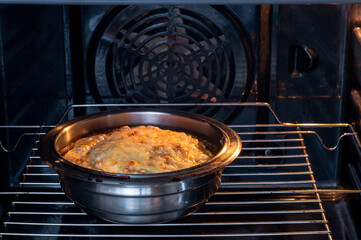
[(268, 192)]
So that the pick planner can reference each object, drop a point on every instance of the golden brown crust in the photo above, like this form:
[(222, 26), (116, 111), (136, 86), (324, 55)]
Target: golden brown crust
[(143, 149)]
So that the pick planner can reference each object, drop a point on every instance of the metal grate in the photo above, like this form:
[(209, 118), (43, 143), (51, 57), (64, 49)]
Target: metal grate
[(268, 192), (169, 54)]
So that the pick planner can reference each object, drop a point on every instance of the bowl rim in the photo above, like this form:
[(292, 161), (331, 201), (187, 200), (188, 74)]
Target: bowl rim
[(229, 151)]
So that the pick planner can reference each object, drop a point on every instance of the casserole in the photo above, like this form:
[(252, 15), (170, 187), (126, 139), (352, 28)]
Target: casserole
[(141, 198)]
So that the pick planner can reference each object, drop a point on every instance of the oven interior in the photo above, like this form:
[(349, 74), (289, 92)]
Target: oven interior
[(286, 78)]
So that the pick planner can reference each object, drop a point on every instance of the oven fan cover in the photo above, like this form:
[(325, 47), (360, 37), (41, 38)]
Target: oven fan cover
[(170, 54)]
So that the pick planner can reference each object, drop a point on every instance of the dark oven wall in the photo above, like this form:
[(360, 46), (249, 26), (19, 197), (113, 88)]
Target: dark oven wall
[(53, 56), (33, 77), (312, 52), (310, 76), (294, 56)]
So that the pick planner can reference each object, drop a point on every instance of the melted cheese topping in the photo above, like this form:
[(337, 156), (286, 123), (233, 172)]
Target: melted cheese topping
[(143, 149)]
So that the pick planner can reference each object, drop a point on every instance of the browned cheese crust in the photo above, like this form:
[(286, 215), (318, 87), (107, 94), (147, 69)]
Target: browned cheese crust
[(143, 149)]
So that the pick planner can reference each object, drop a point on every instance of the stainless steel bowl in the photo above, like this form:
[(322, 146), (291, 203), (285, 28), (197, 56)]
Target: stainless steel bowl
[(141, 198)]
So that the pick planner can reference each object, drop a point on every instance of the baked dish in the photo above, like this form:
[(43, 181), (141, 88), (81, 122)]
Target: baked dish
[(138, 150)]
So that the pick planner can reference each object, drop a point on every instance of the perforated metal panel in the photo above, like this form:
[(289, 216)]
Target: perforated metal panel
[(170, 54)]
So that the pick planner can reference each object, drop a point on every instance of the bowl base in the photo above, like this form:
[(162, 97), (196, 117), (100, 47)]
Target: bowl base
[(141, 219)]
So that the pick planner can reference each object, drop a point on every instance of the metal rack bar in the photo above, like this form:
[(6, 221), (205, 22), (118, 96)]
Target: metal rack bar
[(170, 235), (317, 194), (164, 224), (47, 213), (130, 2), (298, 191), (278, 156), (351, 131), (269, 165)]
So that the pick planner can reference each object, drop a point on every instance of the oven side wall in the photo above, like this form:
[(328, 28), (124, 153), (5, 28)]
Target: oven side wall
[(307, 85), (33, 78)]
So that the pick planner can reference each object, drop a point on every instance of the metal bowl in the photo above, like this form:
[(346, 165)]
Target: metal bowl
[(141, 198)]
